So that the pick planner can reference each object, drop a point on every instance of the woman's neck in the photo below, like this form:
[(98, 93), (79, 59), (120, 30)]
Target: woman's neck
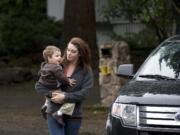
[(70, 68)]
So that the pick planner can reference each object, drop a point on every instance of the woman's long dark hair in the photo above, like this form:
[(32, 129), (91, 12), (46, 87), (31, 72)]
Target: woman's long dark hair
[(84, 52)]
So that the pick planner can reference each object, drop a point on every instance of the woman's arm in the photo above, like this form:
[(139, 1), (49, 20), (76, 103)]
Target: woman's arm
[(58, 97), (76, 96)]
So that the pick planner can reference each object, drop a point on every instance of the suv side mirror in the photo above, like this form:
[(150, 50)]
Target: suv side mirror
[(125, 70)]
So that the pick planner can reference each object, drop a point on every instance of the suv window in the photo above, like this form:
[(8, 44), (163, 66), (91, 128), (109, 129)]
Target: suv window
[(164, 63)]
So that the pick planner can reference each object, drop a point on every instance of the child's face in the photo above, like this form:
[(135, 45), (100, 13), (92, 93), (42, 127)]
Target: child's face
[(55, 58)]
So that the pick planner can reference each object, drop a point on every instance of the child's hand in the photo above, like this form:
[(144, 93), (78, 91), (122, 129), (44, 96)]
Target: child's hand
[(72, 82)]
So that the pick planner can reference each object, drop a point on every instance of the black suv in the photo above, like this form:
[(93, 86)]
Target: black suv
[(149, 104)]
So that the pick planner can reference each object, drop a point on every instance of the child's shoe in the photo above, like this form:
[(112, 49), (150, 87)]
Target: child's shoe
[(59, 118), (43, 111)]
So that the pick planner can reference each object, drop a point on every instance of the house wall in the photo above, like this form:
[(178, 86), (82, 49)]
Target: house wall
[(122, 28), (55, 9)]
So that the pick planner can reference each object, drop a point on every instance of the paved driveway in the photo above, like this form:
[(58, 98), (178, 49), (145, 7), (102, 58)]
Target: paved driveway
[(20, 115)]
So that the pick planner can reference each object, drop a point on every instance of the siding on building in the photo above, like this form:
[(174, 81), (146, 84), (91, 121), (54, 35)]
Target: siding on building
[(122, 28)]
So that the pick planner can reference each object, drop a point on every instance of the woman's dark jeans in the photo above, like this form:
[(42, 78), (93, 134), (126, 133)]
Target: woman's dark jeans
[(71, 127)]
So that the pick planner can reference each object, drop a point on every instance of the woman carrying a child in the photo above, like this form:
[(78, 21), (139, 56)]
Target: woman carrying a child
[(77, 66)]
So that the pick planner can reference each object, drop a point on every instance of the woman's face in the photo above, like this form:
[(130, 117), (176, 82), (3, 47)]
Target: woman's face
[(72, 53)]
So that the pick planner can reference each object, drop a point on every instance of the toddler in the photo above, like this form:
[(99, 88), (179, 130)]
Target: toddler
[(52, 77)]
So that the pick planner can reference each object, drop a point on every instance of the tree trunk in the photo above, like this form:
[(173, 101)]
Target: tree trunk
[(79, 21), (176, 12)]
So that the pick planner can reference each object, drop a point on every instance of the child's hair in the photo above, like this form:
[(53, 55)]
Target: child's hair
[(48, 51)]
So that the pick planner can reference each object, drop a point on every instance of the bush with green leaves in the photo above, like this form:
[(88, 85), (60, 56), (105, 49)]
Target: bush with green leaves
[(25, 28)]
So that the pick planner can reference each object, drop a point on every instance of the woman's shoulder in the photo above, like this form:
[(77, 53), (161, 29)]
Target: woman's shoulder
[(85, 71), (88, 72)]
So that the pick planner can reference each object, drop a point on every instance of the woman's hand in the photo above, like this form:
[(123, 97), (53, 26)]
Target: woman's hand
[(58, 97)]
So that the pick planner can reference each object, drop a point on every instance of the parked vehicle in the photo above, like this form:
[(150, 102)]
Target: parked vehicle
[(149, 104)]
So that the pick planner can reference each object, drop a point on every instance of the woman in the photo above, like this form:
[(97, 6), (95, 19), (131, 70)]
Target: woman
[(76, 66)]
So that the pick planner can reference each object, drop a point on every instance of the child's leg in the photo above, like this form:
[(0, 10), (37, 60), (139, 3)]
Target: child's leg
[(46, 102), (59, 113), (67, 108), (59, 118), (43, 109)]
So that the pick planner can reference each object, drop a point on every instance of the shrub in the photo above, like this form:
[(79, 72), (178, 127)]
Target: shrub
[(25, 29)]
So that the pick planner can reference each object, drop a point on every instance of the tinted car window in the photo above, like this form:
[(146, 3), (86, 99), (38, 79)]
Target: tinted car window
[(165, 61)]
